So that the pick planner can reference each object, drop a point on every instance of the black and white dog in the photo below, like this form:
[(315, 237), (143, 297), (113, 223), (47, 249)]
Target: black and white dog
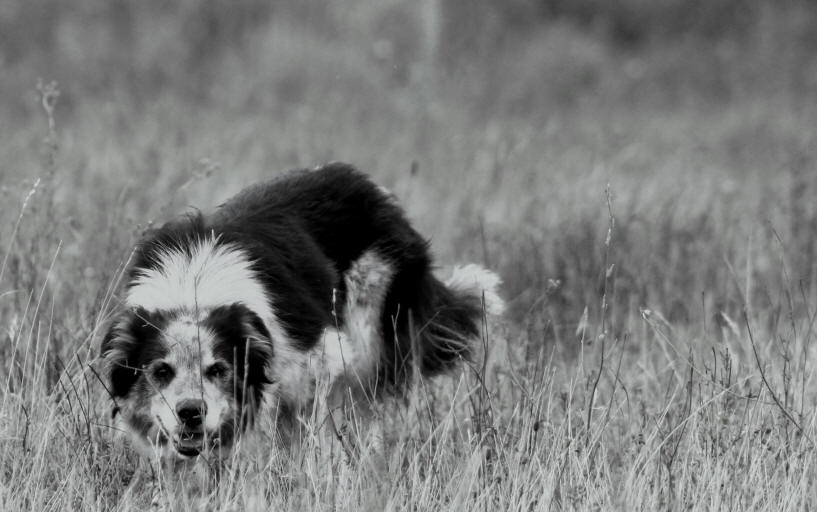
[(316, 276)]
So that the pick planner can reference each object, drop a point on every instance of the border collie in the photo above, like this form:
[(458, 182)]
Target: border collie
[(312, 277)]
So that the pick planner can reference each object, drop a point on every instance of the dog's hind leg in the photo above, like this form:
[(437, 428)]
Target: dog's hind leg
[(351, 356), (351, 353)]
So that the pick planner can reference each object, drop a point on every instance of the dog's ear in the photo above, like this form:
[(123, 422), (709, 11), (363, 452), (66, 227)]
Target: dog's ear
[(128, 341), (243, 339), (116, 352), (259, 348)]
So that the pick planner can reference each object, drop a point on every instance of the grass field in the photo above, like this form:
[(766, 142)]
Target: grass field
[(651, 206)]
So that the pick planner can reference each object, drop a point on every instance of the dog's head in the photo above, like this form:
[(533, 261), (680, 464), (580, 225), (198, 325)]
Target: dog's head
[(186, 362), (186, 382)]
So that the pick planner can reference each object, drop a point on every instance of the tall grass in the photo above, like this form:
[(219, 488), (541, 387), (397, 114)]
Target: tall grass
[(651, 214)]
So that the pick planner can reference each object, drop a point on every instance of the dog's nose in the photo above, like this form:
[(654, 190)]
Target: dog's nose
[(191, 412)]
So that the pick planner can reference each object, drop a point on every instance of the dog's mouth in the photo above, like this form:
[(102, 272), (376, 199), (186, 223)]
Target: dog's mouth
[(189, 446), (189, 443), (192, 443)]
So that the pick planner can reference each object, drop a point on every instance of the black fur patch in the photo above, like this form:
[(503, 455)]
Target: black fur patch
[(132, 343), (244, 342), (429, 327)]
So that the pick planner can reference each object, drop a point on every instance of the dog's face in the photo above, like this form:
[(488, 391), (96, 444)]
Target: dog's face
[(187, 382)]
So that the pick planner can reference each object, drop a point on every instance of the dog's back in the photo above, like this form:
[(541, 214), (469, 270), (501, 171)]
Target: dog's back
[(424, 322)]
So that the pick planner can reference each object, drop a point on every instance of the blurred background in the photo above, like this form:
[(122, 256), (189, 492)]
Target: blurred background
[(499, 124)]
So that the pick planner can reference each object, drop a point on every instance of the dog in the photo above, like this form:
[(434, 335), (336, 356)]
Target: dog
[(312, 277)]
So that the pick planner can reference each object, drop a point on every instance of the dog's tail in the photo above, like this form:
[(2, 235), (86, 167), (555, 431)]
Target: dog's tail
[(448, 325), (476, 282)]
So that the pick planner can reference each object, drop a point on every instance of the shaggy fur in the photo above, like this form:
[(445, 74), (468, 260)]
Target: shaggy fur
[(316, 275)]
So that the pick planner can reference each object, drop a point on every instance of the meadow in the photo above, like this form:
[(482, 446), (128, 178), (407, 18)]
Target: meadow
[(645, 186)]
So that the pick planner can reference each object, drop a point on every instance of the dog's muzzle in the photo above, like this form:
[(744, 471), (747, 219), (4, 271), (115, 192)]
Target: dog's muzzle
[(190, 439)]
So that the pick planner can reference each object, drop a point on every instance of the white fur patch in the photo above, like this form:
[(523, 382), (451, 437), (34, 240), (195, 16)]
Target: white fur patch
[(479, 282), (367, 281), (332, 352), (213, 274)]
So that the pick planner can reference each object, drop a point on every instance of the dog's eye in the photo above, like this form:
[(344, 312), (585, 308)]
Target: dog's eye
[(162, 373), (216, 371)]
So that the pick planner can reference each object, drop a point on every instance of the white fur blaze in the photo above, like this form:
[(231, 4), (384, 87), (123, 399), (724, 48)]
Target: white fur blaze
[(478, 282), (213, 274)]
